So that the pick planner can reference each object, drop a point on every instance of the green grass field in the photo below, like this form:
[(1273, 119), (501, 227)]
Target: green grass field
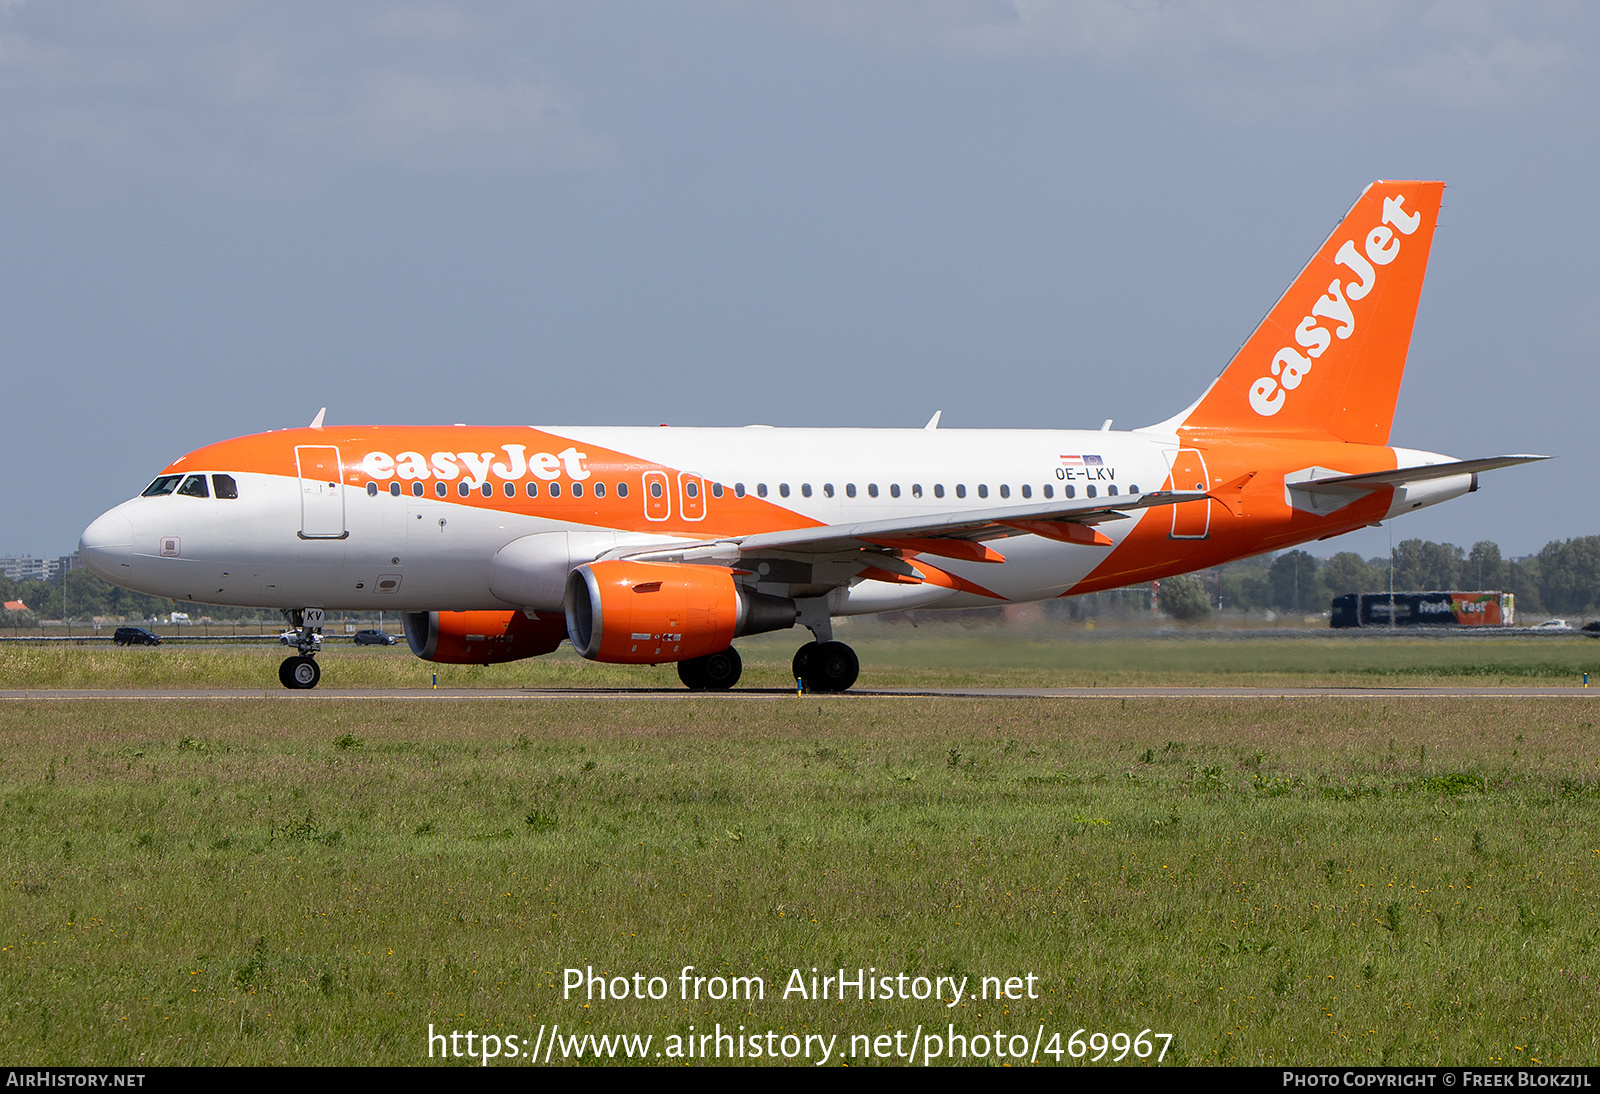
[(930, 656), (1269, 881)]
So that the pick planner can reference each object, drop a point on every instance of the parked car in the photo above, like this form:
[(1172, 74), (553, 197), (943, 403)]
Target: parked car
[(135, 636), (1552, 625), (292, 638), (374, 638)]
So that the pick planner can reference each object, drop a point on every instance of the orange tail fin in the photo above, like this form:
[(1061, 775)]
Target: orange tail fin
[(1326, 362)]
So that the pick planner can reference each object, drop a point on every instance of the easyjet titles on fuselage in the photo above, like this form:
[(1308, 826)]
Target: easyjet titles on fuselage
[(477, 466)]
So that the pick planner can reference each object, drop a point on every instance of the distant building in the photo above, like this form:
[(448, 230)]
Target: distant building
[(16, 606), (28, 568)]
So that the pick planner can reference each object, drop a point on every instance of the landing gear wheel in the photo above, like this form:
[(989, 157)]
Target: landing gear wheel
[(801, 665), (826, 666), (299, 673), (713, 672)]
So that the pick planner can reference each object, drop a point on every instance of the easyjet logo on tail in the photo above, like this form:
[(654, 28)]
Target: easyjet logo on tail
[(1289, 366)]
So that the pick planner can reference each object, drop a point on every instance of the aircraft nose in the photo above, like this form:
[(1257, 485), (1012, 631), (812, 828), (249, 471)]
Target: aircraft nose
[(106, 546)]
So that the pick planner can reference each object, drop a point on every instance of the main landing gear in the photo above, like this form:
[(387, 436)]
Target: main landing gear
[(822, 665), (713, 672), (826, 666), (301, 673)]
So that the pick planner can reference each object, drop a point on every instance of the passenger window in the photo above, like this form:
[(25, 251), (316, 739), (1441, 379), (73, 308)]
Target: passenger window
[(225, 487), (1072, 491), (983, 490), (194, 487), (783, 490), (1027, 491), (690, 489), (416, 490), (533, 489), (511, 489), (440, 489), (1091, 491), (622, 489), (827, 488), (599, 489), (716, 490), (1112, 490), (462, 489), (961, 490), (916, 490), (872, 489), (1133, 489), (555, 489), (938, 490), (394, 490), (487, 490), (577, 489), (849, 489), (1005, 491), (1050, 491), (761, 489), (738, 489), (166, 484), (805, 489), (372, 489), (894, 490), (655, 488)]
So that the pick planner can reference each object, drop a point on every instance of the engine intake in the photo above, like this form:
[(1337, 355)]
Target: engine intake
[(648, 613)]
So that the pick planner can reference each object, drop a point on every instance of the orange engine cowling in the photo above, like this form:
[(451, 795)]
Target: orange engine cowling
[(482, 638), (647, 613)]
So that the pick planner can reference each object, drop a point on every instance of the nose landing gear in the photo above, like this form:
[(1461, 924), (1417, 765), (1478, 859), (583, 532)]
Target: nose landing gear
[(302, 673), (299, 672)]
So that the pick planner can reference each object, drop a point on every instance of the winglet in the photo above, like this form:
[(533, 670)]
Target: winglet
[(316, 423), (933, 422)]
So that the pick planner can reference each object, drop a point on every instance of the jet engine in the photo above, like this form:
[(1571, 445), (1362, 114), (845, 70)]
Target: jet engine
[(648, 613), (482, 638)]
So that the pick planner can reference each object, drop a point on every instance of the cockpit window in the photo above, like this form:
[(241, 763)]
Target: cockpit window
[(166, 484), (225, 487), (194, 487)]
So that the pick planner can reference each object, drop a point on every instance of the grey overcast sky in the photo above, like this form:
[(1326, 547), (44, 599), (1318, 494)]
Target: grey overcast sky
[(220, 216)]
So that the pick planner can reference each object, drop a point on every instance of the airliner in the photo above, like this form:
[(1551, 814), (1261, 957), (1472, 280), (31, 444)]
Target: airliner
[(655, 545)]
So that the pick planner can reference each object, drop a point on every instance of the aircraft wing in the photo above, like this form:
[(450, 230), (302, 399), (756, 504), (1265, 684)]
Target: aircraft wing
[(1401, 475), (972, 525), (959, 534)]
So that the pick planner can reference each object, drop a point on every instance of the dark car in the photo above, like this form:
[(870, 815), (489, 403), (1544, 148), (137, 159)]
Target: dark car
[(135, 636), (374, 638)]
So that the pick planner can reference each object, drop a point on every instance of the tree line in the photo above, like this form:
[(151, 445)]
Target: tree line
[(1563, 578), (88, 597)]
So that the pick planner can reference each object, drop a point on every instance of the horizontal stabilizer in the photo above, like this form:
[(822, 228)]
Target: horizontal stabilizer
[(1374, 479)]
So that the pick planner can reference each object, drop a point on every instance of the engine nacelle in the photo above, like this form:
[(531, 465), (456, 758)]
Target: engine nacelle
[(648, 613), (482, 638)]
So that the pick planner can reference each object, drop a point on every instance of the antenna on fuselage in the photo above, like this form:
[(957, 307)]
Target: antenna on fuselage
[(933, 422), (316, 423)]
